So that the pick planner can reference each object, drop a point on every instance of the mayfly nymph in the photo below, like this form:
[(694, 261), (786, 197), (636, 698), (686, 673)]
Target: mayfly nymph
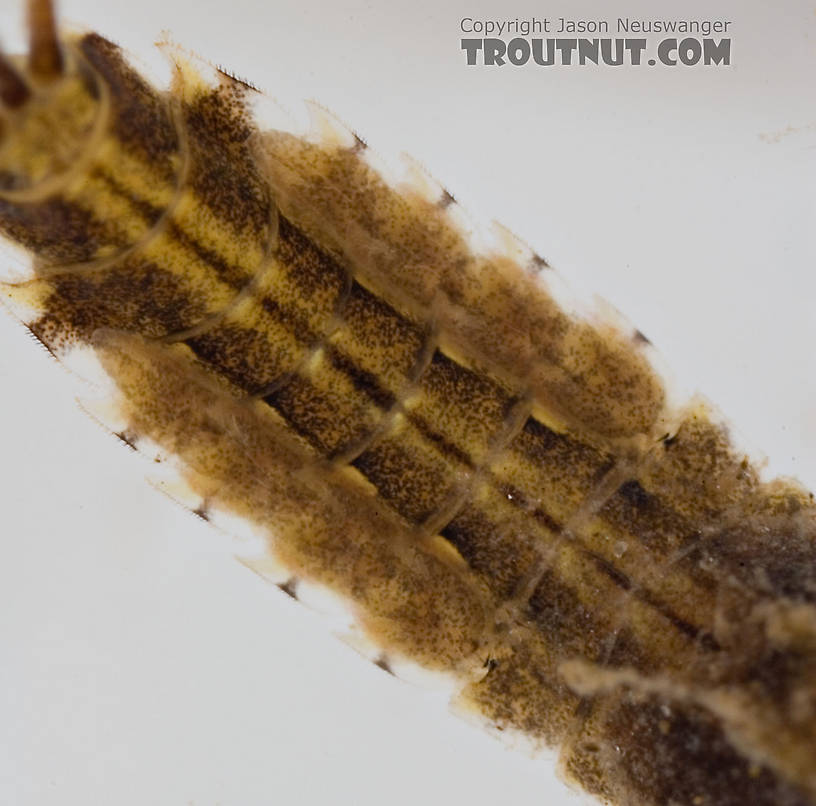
[(505, 450)]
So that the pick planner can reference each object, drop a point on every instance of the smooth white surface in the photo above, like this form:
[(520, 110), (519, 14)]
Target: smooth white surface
[(138, 662)]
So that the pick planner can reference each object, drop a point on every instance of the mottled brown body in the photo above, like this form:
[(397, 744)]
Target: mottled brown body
[(495, 485)]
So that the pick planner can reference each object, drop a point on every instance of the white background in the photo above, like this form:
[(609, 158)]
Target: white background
[(139, 663)]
